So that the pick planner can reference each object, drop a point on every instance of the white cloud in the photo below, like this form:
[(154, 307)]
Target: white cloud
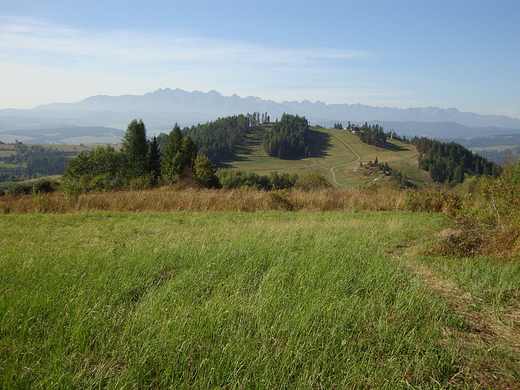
[(22, 36), (43, 63)]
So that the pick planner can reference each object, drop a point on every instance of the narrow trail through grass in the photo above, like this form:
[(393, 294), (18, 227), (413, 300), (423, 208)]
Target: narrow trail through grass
[(358, 157), (485, 324), (489, 326)]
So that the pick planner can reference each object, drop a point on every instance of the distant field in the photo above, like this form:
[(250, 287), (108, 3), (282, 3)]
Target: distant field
[(302, 300)]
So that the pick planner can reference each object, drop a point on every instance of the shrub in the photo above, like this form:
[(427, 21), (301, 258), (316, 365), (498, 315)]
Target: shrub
[(44, 186), (469, 240), (278, 201), (20, 189), (433, 202), (489, 219), (144, 182), (312, 181)]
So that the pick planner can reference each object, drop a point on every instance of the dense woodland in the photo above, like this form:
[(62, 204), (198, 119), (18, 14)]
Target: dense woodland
[(287, 137), (218, 140), (451, 162)]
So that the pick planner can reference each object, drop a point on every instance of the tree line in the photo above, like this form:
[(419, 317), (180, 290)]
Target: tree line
[(143, 163)]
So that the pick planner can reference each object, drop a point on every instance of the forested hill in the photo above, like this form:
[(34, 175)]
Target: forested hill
[(220, 139), (451, 162)]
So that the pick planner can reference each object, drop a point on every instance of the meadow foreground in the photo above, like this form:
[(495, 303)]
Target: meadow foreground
[(236, 300)]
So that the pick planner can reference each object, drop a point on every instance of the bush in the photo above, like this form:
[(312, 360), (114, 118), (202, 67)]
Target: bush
[(489, 219), (239, 179), (278, 201), (469, 240), (144, 182), (312, 181), (433, 202), (44, 186), (2, 192), (20, 189)]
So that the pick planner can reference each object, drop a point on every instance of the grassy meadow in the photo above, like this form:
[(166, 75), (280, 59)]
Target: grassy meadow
[(327, 151), (236, 300)]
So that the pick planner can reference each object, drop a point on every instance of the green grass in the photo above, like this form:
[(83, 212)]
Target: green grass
[(222, 300), (326, 151)]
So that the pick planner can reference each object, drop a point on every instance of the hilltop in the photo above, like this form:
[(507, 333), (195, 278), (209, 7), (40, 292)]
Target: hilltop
[(338, 154)]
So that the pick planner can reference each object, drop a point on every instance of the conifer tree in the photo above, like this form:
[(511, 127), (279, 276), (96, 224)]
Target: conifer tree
[(169, 167), (154, 158), (205, 172), (134, 148), (185, 159)]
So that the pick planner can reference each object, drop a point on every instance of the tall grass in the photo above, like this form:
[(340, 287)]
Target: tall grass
[(166, 199), (228, 300)]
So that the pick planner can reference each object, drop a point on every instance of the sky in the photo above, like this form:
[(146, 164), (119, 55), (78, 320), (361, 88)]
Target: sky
[(410, 53)]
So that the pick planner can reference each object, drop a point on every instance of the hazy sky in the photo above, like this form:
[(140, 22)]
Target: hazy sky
[(414, 53)]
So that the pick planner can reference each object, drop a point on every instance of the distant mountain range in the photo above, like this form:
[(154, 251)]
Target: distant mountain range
[(159, 110)]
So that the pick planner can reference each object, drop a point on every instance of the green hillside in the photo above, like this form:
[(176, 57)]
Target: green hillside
[(339, 150)]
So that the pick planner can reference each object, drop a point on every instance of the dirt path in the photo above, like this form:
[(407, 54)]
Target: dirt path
[(358, 157), (489, 324), (488, 327)]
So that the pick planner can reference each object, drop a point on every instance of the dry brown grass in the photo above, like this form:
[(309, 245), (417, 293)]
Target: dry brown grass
[(170, 199)]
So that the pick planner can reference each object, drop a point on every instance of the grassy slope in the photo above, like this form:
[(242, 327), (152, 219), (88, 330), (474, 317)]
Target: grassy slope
[(233, 300), (326, 151)]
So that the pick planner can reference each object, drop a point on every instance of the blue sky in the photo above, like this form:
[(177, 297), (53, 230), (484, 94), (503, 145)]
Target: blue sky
[(463, 54)]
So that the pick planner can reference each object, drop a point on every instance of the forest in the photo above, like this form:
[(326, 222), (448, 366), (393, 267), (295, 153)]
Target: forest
[(451, 162), (287, 138)]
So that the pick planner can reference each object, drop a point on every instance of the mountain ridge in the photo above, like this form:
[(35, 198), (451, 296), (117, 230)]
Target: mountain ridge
[(161, 109), (213, 103)]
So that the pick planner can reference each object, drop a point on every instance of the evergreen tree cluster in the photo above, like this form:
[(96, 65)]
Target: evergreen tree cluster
[(140, 164), (338, 126), (218, 140), (373, 135), (256, 118), (286, 139), (450, 162)]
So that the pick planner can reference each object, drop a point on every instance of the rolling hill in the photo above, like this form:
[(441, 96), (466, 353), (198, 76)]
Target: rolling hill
[(338, 154)]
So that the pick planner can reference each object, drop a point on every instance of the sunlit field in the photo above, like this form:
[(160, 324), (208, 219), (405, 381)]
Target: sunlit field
[(235, 300)]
